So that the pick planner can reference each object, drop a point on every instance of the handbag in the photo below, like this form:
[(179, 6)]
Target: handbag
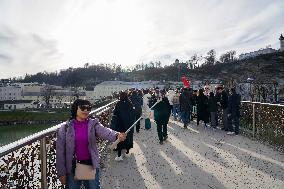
[(84, 172)]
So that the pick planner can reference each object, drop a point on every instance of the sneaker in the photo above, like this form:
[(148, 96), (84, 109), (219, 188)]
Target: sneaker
[(161, 142), (118, 158), (126, 154), (230, 133)]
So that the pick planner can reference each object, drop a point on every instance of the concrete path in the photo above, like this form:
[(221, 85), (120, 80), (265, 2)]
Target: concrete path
[(195, 158)]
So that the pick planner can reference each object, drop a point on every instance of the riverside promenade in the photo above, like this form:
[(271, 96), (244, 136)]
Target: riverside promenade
[(195, 158)]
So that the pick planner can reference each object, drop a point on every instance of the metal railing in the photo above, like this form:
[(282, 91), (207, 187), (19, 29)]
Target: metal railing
[(261, 121), (264, 122), (30, 162)]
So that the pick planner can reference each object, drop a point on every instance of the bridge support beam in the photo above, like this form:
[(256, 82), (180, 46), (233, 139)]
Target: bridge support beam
[(43, 163)]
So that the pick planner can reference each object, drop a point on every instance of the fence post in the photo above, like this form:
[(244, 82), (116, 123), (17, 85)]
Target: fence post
[(43, 163), (253, 119)]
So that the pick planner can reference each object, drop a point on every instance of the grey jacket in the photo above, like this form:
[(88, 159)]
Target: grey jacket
[(65, 144)]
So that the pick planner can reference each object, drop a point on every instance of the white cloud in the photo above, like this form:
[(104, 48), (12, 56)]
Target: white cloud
[(51, 34)]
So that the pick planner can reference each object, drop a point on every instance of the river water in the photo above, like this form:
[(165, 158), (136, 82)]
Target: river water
[(12, 133)]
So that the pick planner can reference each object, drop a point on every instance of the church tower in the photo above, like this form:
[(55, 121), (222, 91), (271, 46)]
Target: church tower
[(281, 43)]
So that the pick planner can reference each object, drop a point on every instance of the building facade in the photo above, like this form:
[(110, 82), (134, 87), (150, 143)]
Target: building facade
[(108, 88), (10, 92), (256, 53), (281, 39)]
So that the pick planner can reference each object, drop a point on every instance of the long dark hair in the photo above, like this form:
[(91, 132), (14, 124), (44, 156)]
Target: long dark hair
[(75, 105)]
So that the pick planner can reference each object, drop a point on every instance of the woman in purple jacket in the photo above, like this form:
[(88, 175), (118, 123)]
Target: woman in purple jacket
[(76, 142)]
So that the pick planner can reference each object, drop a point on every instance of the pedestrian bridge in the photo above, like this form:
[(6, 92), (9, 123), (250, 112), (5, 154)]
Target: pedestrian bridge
[(196, 157)]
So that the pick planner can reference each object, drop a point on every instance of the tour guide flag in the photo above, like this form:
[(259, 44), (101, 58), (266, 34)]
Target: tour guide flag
[(185, 82)]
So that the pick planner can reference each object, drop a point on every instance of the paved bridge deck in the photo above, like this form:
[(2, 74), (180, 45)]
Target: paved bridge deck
[(195, 158)]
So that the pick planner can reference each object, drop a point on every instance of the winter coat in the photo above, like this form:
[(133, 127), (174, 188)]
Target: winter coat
[(185, 101), (152, 100), (162, 110), (224, 100), (146, 109), (194, 99), (137, 102), (176, 99), (123, 117), (202, 108), (234, 105), (170, 96), (212, 104), (65, 144)]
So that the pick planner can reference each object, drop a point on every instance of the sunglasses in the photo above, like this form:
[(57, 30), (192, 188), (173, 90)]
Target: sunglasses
[(85, 107)]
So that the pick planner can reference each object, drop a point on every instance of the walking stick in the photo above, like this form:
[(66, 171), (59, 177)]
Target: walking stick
[(114, 145)]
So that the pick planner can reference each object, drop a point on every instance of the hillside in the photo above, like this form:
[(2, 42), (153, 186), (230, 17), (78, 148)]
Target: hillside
[(263, 68)]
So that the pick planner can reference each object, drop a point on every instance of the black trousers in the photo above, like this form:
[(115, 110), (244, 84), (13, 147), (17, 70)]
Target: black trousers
[(137, 124), (162, 129)]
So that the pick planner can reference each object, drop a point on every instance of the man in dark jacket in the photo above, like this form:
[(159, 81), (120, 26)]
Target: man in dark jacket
[(234, 112), (162, 112), (224, 105), (185, 106), (137, 102)]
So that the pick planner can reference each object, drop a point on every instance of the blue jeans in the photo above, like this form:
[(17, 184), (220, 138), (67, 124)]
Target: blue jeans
[(175, 110), (88, 184), (185, 117)]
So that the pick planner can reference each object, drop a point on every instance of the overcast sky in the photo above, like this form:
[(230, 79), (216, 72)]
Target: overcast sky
[(39, 35)]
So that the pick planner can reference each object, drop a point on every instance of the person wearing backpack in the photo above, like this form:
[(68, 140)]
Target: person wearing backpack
[(77, 154)]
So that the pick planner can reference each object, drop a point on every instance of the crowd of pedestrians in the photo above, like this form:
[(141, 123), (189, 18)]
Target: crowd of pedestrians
[(216, 109), (77, 143)]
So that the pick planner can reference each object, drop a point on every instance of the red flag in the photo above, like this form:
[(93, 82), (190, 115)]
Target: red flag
[(185, 82)]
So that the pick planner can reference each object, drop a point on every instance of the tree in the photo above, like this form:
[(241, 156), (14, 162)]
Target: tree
[(47, 95), (194, 60), (152, 64), (86, 65), (210, 59), (158, 64), (118, 69), (228, 57)]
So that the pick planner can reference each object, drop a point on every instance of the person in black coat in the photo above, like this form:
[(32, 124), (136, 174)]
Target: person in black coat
[(234, 112), (212, 107), (137, 101), (224, 106), (202, 108), (122, 119), (162, 112), (185, 101)]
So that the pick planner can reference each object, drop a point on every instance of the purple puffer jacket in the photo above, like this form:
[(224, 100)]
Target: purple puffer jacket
[(65, 144)]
